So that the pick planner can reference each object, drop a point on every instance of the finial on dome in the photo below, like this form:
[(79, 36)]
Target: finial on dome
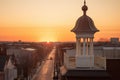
[(84, 8), (84, 2)]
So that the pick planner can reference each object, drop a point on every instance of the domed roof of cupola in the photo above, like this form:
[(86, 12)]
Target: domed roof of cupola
[(84, 24)]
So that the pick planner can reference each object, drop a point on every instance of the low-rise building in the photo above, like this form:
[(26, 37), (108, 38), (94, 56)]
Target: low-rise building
[(10, 69)]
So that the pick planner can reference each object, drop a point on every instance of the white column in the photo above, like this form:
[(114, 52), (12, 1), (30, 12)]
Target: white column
[(84, 46), (91, 46), (87, 47), (77, 47)]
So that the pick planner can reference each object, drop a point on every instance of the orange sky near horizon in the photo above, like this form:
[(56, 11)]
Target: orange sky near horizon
[(52, 20)]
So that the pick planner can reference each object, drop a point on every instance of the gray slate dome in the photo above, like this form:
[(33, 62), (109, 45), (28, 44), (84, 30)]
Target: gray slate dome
[(84, 24)]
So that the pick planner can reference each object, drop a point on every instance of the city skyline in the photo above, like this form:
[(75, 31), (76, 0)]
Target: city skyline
[(52, 20)]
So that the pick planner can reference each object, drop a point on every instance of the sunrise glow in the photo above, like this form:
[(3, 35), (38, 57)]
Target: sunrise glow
[(52, 20), (48, 38)]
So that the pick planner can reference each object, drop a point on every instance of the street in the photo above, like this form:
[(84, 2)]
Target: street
[(47, 68)]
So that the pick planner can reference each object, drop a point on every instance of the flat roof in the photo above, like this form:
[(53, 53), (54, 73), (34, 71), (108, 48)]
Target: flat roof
[(86, 73)]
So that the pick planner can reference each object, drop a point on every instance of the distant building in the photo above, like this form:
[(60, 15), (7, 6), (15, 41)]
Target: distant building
[(24, 60), (8, 69), (114, 40), (110, 50)]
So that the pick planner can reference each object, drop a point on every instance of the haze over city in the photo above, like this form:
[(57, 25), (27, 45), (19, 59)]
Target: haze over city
[(52, 20)]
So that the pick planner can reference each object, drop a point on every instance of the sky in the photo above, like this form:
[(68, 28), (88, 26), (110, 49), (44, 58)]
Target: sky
[(52, 20)]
